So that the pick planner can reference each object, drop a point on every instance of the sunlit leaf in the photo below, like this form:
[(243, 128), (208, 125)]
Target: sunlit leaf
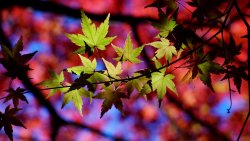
[(92, 37), (165, 25), (113, 71), (128, 53), (76, 97), (55, 82), (95, 37), (77, 39), (88, 66), (163, 49), (146, 89), (205, 69)]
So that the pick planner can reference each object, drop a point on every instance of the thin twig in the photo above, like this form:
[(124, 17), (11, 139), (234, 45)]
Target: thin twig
[(227, 73)]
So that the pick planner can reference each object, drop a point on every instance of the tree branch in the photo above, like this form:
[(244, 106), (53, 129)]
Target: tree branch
[(55, 8)]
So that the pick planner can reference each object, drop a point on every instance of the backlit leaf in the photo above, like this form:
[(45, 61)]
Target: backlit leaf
[(111, 97), (88, 66), (163, 49), (54, 82), (77, 39), (113, 71), (205, 69), (165, 25), (128, 53), (95, 37), (76, 97)]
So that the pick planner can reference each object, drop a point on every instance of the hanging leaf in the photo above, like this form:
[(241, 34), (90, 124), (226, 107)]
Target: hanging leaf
[(134, 84), (15, 96), (88, 66), (146, 89), (111, 97), (205, 69), (237, 73), (163, 49), (165, 25), (7, 119), (54, 82), (76, 97), (128, 53), (113, 71), (14, 62), (81, 82), (160, 82), (138, 83)]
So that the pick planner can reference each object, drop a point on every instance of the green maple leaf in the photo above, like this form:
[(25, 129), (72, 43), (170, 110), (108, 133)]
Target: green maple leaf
[(92, 37), (128, 53), (160, 82), (7, 119), (88, 66), (76, 97), (54, 82), (16, 96), (111, 97), (77, 39), (165, 26), (113, 71), (163, 49), (146, 89), (136, 84), (97, 77), (15, 62), (205, 69)]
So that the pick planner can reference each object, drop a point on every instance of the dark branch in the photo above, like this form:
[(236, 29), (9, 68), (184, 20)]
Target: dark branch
[(55, 8)]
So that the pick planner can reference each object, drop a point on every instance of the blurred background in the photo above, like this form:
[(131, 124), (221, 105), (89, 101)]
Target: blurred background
[(196, 114)]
